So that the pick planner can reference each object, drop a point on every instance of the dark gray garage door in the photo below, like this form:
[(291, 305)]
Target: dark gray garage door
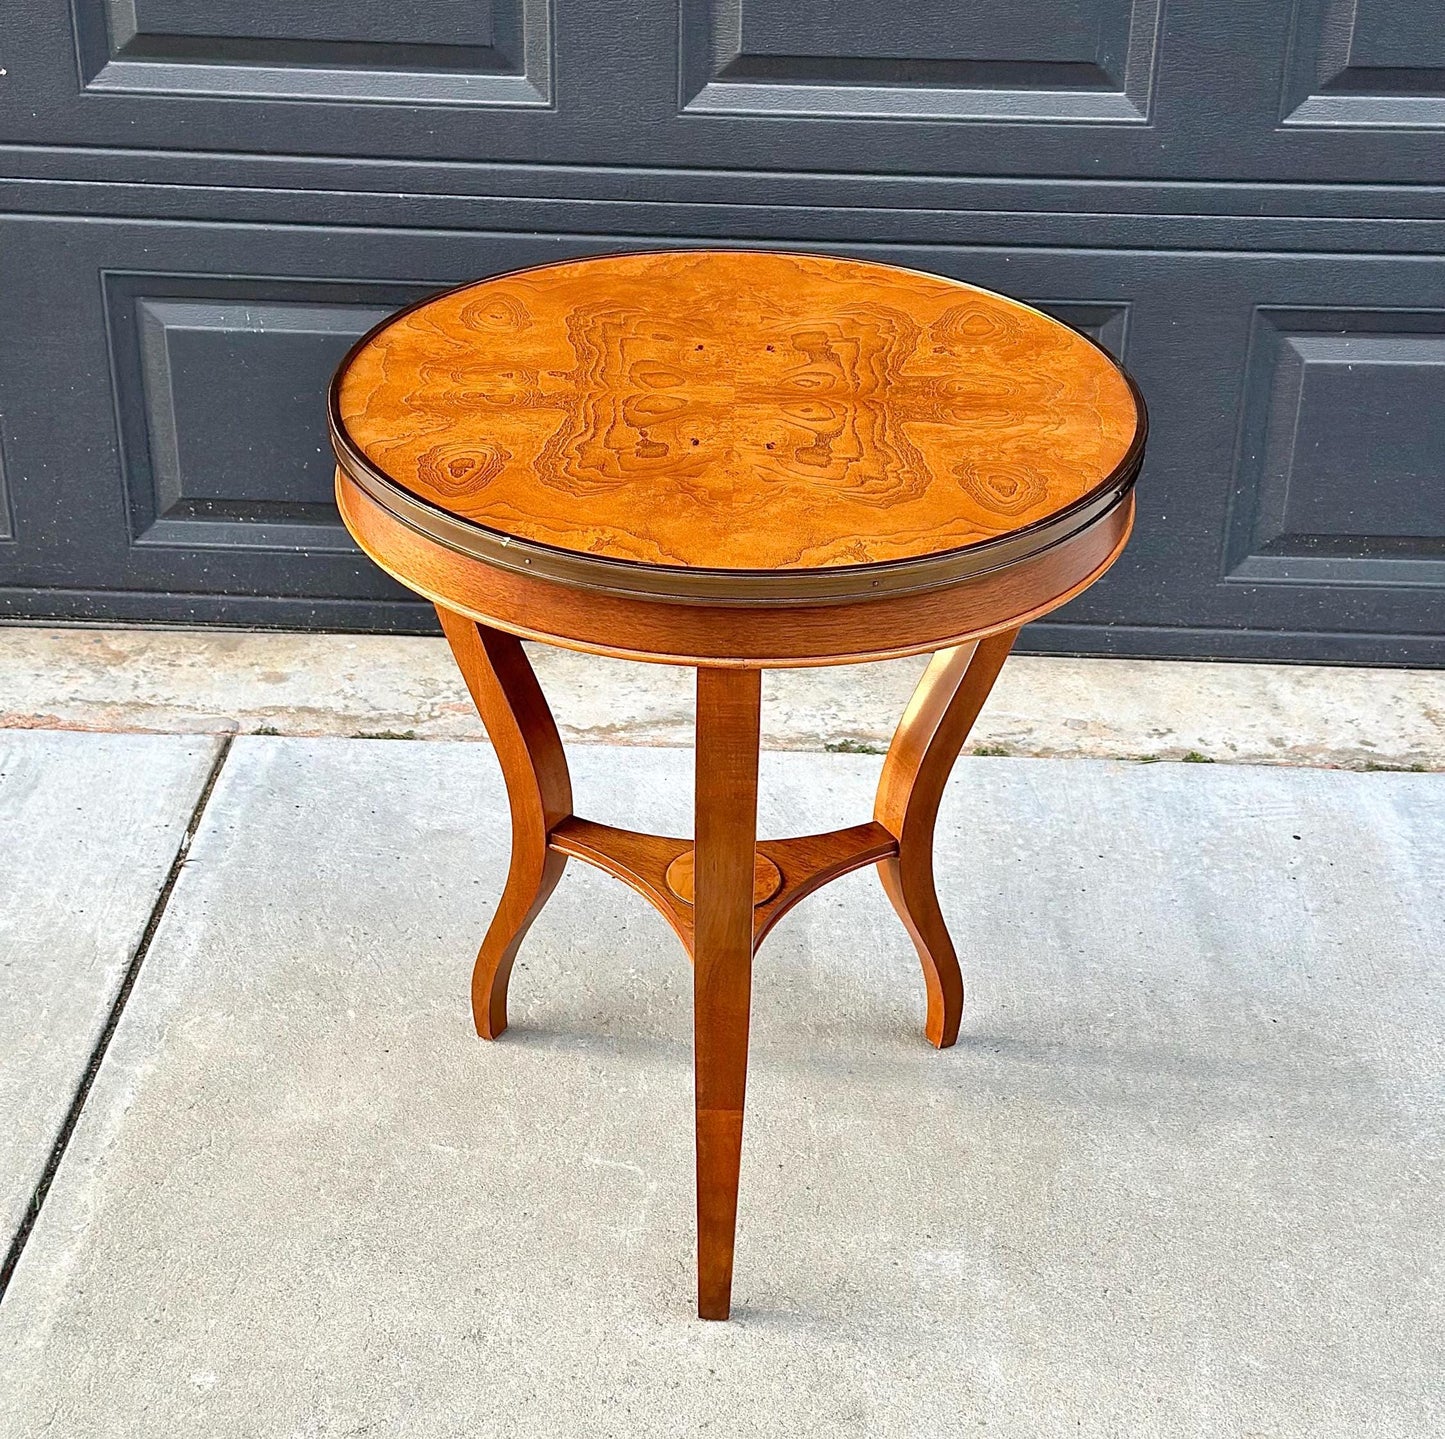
[(205, 203)]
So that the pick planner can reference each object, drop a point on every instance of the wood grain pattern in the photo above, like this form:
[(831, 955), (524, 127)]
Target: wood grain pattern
[(738, 410), (733, 410), (807, 862), (639, 860), (539, 793), (700, 634), (935, 725), (724, 891), (728, 711), (682, 877), (662, 868)]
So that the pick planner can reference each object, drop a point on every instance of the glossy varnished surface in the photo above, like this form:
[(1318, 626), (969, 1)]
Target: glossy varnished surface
[(722, 891), (735, 411), (743, 418), (702, 634)]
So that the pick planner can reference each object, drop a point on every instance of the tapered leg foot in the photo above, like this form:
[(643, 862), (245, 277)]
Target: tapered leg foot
[(539, 793), (726, 824), (932, 732), (916, 900), (529, 884)]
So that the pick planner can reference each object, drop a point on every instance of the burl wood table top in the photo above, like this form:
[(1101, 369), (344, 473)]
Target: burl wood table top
[(735, 425)]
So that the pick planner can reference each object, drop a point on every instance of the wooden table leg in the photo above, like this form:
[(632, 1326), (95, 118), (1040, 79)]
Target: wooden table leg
[(539, 792), (726, 829), (932, 732)]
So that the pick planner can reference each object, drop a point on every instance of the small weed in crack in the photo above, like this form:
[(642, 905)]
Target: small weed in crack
[(851, 746)]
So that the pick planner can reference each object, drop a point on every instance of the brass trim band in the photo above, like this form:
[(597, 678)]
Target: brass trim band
[(838, 585), (824, 585)]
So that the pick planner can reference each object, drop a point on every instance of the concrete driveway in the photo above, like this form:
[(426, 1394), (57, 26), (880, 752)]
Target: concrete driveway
[(1180, 1176)]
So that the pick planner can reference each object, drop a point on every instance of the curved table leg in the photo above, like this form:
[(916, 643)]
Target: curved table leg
[(726, 828), (929, 737), (539, 791)]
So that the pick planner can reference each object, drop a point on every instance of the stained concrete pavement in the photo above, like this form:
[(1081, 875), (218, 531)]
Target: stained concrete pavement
[(214, 681), (1180, 1176), (89, 828)]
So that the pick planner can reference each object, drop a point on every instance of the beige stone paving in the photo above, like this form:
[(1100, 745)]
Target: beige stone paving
[(178, 681)]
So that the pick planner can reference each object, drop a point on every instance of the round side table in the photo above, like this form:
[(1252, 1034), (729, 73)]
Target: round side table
[(732, 460)]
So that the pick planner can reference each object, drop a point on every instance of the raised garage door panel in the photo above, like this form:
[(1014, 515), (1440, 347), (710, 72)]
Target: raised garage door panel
[(1323, 90), (437, 51), (1320, 90), (205, 204), (178, 29), (436, 77), (1366, 63), (1342, 457), (1059, 60), (1290, 500)]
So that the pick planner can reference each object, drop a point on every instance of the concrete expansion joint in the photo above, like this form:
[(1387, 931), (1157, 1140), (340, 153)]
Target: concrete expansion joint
[(132, 972)]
